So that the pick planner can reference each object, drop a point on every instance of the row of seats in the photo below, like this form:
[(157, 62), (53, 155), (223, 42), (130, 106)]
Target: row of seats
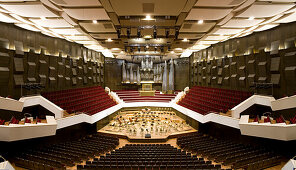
[(228, 152), (149, 156), (13, 120), (134, 96), (206, 99), (90, 100), (62, 155), (269, 119)]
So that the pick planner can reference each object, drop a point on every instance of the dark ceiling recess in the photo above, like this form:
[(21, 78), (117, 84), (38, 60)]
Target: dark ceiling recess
[(148, 7)]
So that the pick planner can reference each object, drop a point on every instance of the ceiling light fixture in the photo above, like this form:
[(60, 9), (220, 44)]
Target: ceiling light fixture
[(148, 18), (200, 22), (147, 37), (42, 18), (172, 52), (251, 18), (109, 40), (185, 40), (95, 21)]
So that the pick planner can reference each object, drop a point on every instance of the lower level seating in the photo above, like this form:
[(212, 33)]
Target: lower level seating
[(228, 152), (60, 155), (148, 157)]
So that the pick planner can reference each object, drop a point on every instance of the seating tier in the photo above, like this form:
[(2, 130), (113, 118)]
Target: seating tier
[(134, 96), (206, 99), (90, 100), (228, 152)]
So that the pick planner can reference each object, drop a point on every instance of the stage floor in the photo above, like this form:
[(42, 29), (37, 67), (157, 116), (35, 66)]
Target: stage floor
[(134, 125)]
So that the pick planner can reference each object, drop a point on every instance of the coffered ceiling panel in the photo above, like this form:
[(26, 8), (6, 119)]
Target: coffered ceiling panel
[(214, 37), (98, 27), (104, 35), (87, 13), (225, 31), (152, 7), (207, 13), (66, 31), (287, 18), (190, 35), (195, 27), (266, 27), (261, 10), (219, 3), (51, 23), (29, 10), (176, 26), (77, 3), (139, 22), (242, 23), (6, 18), (78, 38)]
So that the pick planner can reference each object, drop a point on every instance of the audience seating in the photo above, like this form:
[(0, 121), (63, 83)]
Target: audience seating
[(58, 156), (23, 121), (228, 152), (134, 96), (148, 157), (206, 99), (90, 100)]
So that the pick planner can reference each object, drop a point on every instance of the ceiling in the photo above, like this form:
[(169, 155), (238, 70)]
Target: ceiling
[(134, 29)]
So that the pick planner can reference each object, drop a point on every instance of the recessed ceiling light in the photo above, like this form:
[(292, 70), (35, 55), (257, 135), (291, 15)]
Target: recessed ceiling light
[(200, 22), (251, 18), (148, 18), (109, 40), (147, 37), (95, 21)]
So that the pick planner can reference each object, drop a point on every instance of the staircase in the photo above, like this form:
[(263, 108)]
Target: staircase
[(129, 96)]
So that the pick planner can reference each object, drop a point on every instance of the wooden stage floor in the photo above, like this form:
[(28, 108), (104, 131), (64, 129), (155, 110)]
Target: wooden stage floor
[(134, 125)]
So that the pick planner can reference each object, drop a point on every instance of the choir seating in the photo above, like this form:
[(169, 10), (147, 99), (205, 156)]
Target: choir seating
[(206, 99), (90, 100), (58, 156), (134, 96), (148, 157), (229, 152)]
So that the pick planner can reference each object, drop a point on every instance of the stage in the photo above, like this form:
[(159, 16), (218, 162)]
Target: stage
[(135, 125)]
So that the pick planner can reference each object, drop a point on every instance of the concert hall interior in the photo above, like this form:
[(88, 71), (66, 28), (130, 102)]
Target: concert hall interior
[(147, 84)]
